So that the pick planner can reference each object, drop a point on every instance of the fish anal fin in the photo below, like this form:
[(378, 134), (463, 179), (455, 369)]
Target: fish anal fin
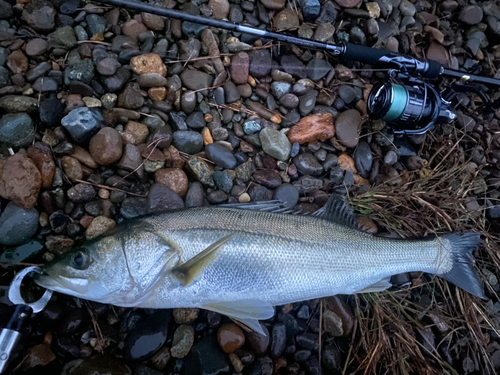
[(379, 286), (190, 270), (250, 325)]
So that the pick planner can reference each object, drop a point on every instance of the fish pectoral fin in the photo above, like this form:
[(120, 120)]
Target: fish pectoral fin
[(378, 286), (188, 271), (247, 312)]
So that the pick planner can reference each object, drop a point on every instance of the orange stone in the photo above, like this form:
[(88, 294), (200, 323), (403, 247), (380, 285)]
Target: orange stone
[(45, 165), (346, 163), (312, 128), (20, 180), (230, 337), (174, 178), (157, 93), (148, 63), (365, 224)]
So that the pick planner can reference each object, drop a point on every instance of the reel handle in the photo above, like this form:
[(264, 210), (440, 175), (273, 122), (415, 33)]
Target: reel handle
[(11, 334)]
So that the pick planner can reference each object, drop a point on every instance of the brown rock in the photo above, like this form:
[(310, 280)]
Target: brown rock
[(347, 127), (152, 153), (133, 28), (148, 63), (274, 4), (207, 136), (339, 319), (98, 226), (346, 163), (72, 168), (365, 224), (230, 337), (287, 19), (36, 47), (106, 146), (348, 3), (38, 355), (131, 160), (17, 62), (239, 68), (20, 180), (185, 316), (157, 93), (153, 22), (439, 53), (139, 132), (173, 158), (312, 128), (213, 49), (220, 8), (434, 33), (44, 163), (174, 178), (131, 97), (84, 157)]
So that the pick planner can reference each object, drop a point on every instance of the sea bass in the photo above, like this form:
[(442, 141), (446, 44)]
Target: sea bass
[(241, 263)]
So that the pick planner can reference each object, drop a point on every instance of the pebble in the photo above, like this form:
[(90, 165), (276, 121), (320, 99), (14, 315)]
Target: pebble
[(268, 178), (185, 316), (18, 103), (98, 226), (198, 362), (131, 97), (307, 164), (317, 69), (96, 365), (148, 80), (163, 198), (148, 336), (312, 128), (81, 193), (278, 340), (16, 130), (148, 63), (194, 196), (183, 341), (108, 66), (347, 127), (221, 156), (274, 4), (134, 206), (20, 181), (83, 123), (287, 19), (363, 159), (174, 178), (106, 146), (307, 102), (36, 47), (471, 14), (196, 80), (220, 8), (239, 68), (275, 144), (188, 141), (230, 337), (223, 181), (17, 224), (338, 319), (196, 120)]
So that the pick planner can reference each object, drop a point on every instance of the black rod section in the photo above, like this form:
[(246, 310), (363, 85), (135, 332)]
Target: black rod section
[(348, 51)]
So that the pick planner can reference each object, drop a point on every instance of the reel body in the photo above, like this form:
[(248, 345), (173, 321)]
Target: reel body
[(409, 108)]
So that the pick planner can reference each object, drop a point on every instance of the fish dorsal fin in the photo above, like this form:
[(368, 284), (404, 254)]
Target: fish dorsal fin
[(275, 206), (338, 211), (247, 312), (188, 271), (379, 286)]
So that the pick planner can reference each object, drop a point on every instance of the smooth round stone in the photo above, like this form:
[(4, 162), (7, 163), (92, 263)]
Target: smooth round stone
[(108, 66), (106, 146), (174, 178), (275, 144), (19, 103), (363, 159), (287, 194), (279, 89), (198, 362), (194, 196), (307, 102), (148, 336), (221, 156), (230, 337), (223, 181), (471, 14), (36, 47), (289, 101), (188, 141), (44, 85), (318, 68), (307, 164), (16, 130), (81, 193), (391, 157), (268, 178), (196, 120), (217, 197), (231, 92), (17, 225), (149, 80), (347, 127), (183, 341), (188, 101), (278, 340)]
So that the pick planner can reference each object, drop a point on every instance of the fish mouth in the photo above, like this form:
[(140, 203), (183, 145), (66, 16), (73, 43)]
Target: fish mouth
[(64, 284)]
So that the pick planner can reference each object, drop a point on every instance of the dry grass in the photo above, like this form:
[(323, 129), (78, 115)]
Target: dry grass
[(430, 327)]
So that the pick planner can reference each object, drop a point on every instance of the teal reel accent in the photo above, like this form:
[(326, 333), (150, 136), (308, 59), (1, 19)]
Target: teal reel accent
[(399, 98)]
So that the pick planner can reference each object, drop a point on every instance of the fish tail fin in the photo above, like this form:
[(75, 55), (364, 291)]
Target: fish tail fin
[(463, 273)]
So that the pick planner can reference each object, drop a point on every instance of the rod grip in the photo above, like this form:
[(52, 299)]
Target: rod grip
[(366, 55)]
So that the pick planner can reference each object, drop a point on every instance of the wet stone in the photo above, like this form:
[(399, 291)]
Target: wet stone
[(230, 337), (83, 123), (174, 178), (106, 146), (188, 141), (185, 316), (307, 102), (22, 253), (17, 225), (183, 341), (197, 362), (148, 336), (363, 159), (163, 198), (16, 130), (220, 155), (280, 88), (196, 80)]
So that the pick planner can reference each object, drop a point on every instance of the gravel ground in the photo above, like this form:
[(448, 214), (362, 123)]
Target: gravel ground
[(107, 115)]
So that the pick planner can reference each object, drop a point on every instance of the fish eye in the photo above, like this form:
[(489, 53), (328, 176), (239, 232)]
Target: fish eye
[(80, 260)]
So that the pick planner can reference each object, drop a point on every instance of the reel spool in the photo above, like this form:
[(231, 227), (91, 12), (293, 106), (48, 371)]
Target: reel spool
[(410, 109)]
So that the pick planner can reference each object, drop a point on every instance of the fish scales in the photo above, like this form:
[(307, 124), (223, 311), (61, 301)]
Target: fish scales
[(283, 258)]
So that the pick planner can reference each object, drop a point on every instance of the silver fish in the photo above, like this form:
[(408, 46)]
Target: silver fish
[(241, 263)]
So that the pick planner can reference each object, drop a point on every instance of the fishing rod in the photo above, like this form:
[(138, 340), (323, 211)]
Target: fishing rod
[(409, 104)]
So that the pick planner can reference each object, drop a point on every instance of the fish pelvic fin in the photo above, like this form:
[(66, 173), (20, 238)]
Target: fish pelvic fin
[(246, 313), (463, 273), (190, 270), (379, 286)]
